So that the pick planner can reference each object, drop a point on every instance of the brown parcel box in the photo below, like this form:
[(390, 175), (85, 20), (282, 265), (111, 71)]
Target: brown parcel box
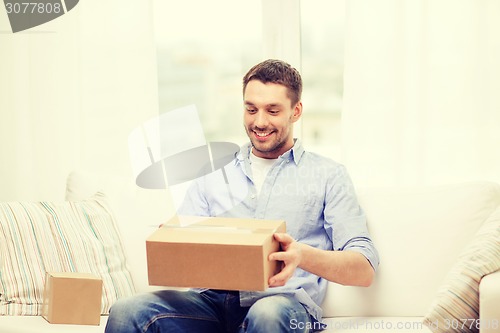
[(216, 253), (72, 298)]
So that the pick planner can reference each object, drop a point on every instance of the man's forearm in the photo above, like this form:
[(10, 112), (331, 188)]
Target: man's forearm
[(344, 267)]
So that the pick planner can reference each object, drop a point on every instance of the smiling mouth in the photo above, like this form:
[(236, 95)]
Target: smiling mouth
[(262, 135)]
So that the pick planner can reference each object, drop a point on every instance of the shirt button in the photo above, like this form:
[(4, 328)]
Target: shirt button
[(252, 196)]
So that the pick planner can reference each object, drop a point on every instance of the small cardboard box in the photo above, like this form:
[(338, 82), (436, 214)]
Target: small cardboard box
[(72, 298), (215, 253)]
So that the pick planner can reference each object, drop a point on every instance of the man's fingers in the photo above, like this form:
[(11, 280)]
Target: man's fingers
[(289, 256), (283, 237), (279, 256), (281, 278)]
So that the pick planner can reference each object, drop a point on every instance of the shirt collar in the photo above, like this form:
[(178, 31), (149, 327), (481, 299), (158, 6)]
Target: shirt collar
[(294, 154)]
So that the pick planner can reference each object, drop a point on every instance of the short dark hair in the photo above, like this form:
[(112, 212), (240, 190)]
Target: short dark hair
[(276, 71)]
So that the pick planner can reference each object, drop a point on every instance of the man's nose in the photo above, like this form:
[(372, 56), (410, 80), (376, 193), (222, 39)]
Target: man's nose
[(261, 120)]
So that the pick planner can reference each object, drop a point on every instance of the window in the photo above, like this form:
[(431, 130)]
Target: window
[(205, 48), (322, 58)]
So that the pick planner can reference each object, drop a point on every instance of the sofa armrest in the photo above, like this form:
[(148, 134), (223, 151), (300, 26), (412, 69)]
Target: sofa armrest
[(489, 300)]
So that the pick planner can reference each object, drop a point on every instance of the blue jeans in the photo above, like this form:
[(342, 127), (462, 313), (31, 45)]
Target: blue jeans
[(206, 312)]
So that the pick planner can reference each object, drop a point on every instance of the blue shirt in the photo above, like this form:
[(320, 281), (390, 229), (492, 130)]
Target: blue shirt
[(313, 194)]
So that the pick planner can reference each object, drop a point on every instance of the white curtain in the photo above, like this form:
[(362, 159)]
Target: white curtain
[(71, 91), (422, 91)]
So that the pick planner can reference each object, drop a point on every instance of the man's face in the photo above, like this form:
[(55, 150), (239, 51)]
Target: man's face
[(268, 118)]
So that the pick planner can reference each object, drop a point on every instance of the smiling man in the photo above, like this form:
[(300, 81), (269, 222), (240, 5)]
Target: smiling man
[(271, 109), (326, 239)]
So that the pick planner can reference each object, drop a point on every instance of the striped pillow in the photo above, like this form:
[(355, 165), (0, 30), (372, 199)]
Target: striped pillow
[(39, 237), (456, 307)]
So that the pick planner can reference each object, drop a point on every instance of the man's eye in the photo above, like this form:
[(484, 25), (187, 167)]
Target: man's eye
[(273, 111), (251, 110)]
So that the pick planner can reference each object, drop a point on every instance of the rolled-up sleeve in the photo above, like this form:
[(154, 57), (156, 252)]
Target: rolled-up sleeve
[(345, 220)]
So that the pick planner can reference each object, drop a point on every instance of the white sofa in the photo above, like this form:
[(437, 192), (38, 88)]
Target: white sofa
[(421, 235)]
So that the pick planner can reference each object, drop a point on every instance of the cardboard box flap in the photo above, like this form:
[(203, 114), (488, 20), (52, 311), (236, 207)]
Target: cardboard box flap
[(217, 230)]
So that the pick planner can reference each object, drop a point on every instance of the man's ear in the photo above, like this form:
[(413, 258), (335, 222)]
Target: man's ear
[(297, 112)]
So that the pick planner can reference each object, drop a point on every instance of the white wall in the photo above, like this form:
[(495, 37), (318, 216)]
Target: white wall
[(421, 83), (71, 91)]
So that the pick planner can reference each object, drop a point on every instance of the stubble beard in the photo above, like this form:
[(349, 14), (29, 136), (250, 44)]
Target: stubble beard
[(265, 148)]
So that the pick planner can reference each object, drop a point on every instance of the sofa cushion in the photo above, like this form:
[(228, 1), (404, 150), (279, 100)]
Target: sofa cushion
[(37, 324), (419, 233), (458, 297), (39, 237)]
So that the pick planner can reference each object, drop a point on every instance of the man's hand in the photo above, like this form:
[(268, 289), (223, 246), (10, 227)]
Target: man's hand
[(291, 257)]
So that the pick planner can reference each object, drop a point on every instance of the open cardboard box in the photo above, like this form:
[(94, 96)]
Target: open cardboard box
[(215, 253)]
